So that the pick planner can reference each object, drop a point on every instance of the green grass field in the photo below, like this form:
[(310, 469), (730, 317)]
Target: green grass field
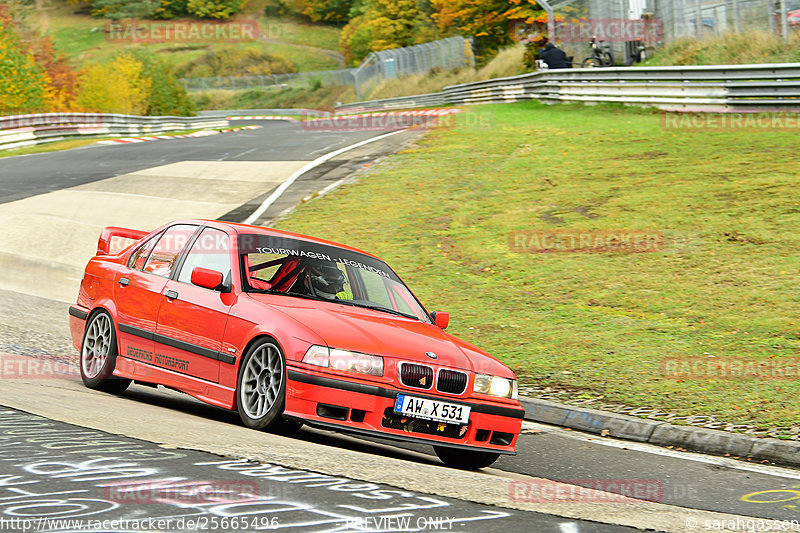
[(296, 32), (82, 38), (722, 286)]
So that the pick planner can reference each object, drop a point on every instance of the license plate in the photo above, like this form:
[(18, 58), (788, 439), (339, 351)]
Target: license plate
[(431, 409)]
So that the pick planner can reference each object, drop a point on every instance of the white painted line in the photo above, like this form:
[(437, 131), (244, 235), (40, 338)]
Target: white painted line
[(764, 469), (313, 164), (568, 527)]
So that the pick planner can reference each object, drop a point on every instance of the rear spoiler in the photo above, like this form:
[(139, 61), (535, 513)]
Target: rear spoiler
[(104, 245)]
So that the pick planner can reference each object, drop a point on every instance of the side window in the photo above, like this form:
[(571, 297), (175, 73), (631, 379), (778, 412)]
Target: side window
[(169, 246), (211, 250), (138, 257)]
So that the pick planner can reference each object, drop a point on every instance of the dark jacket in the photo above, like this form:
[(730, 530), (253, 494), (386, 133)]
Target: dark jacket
[(554, 57)]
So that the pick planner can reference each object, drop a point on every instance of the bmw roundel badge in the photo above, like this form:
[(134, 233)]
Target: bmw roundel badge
[(432, 355)]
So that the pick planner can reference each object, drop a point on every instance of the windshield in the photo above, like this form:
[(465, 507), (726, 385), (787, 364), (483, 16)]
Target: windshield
[(278, 265)]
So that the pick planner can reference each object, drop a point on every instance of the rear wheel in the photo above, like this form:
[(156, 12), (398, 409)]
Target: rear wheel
[(99, 355), (465, 459), (261, 394)]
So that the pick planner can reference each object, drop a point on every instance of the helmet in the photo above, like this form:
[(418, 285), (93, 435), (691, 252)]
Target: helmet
[(324, 280)]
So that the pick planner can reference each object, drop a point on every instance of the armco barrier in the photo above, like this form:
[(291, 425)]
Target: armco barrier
[(715, 88), (26, 130)]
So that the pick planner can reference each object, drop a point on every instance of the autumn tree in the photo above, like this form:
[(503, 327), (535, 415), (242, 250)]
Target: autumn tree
[(335, 11), (62, 80), (488, 21), (24, 85), (381, 25), (119, 86)]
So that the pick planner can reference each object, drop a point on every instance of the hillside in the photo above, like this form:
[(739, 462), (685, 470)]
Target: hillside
[(730, 49), (83, 39)]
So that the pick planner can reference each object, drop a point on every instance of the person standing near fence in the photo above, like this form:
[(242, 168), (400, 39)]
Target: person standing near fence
[(554, 57)]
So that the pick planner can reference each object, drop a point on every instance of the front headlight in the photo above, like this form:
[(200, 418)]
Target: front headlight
[(495, 386), (344, 360)]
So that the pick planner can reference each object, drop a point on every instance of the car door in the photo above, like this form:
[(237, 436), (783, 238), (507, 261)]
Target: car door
[(192, 319), (138, 290)]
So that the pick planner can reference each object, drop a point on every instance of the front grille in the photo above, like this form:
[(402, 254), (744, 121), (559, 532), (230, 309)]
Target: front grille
[(451, 381), (417, 376), (392, 420)]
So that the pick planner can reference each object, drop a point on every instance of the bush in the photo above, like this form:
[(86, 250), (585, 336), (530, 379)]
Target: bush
[(214, 9), (235, 61), (331, 11), (166, 9), (167, 95)]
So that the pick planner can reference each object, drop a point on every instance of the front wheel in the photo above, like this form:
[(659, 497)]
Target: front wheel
[(99, 355), (261, 393), (465, 459), (590, 62)]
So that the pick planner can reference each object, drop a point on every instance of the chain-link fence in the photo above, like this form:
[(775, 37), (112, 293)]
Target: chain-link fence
[(445, 54), (701, 18), (624, 25)]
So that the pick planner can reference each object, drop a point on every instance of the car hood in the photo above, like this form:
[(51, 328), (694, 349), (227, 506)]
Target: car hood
[(374, 332)]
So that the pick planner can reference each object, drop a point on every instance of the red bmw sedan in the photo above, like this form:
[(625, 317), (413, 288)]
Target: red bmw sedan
[(288, 330)]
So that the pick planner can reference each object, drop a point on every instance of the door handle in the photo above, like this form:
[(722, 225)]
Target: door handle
[(171, 295), (124, 281)]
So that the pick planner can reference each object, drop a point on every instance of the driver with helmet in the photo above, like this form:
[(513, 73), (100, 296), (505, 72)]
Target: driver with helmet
[(323, 280)]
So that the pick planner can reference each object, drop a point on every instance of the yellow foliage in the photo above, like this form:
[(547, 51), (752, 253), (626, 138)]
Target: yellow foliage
[(116, 87)]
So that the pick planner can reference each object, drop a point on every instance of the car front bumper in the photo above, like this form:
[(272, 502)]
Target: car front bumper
[(352, 406)]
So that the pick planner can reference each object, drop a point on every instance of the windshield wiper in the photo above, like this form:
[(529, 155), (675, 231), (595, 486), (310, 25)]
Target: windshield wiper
[(385, 310), (306, 296)]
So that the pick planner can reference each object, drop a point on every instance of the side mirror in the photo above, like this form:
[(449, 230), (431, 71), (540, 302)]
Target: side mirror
[(208, 279), (441, 319)]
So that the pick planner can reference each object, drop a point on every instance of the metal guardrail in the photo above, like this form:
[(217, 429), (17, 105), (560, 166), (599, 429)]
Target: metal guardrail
[(17, 131), (716, 88), (296, 111)]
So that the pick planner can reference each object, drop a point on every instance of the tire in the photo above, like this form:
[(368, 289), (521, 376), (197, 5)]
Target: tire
[(99, 355), (590, 62), (606, 59), (261, 390), (465, 459)]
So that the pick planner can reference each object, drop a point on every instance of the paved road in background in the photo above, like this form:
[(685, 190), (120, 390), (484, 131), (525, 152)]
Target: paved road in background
[(28, 175)]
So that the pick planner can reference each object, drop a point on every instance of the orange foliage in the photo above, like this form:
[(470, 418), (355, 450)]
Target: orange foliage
[(63, 80)]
